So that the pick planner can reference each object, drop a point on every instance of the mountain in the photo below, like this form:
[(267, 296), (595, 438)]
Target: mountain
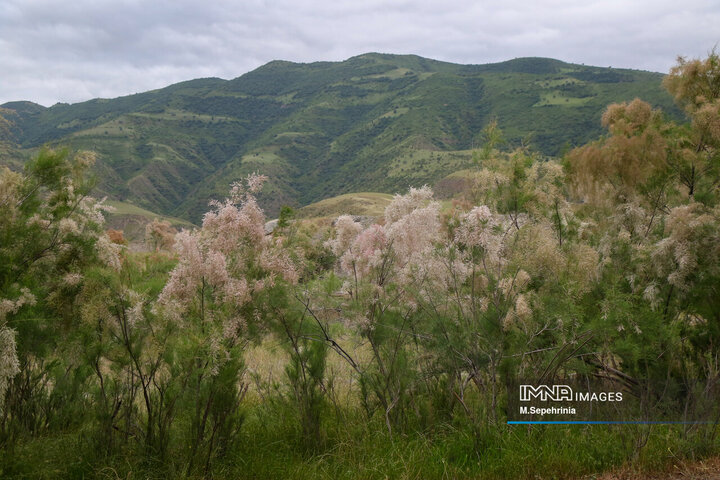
[(373, 122)]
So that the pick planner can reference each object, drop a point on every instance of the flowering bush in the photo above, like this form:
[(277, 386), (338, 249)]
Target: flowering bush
[(212, 295), (51, 231)]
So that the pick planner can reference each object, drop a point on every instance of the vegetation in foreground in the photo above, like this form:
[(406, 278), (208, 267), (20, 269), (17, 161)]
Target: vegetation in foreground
[(397, 342)]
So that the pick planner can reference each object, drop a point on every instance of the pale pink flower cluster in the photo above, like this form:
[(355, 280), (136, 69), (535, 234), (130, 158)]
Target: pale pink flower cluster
[(518, 314), (522, 308), (8, 306), (160, 235), (486, 180), (93, 211), (632, 217), (415, 233), (651, 294), (439, 270), (218, 354), (39, 221), (255, 182), (240, 192), (586, 269), (108, 252), (277, 262), (134, 314), (229, 227), (85, 159), (221, 259), (412, 227), (346, 230), (201, 268), (9, 363), (85, 218), (68, 226), (404, 204), (691, 232), (232, 326), (366, 251), (513, 285), (481, 228), (72, 279)]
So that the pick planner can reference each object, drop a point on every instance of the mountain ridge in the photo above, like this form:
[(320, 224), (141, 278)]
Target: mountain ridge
[(375, 121), (503, 65)]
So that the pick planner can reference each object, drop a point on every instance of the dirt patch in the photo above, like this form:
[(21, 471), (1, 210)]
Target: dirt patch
[(708, 469)]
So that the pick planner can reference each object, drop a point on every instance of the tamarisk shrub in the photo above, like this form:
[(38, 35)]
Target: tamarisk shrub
[(470, 312), (159, 235), (695, 85), (651, 190), (441, 309), (498, 291), (131, 355), (381, 264), (211, 295), (50, 231), (631, 162), (297, 323), (296, 318), (523, 186), (687, 260)]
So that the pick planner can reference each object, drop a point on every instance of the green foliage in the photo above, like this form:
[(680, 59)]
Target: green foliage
[(373, 122), (50, 232), (303, 339), (286, 214), (398, 344)]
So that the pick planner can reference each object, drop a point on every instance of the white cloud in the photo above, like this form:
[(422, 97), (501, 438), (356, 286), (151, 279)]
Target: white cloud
[(72, 51)]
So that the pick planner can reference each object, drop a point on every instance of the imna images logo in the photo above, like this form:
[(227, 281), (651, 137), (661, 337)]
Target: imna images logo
[(561, 393), (544, 393)]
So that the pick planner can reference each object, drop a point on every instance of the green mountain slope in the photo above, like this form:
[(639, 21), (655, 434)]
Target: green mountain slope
[(373, 122)]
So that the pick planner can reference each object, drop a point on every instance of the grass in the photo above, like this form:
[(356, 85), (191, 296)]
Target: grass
[(113, 128), (362, 203), (396, 73), (293, 135), (355, 448), (557, 98), (261, 157), (126, 208), (395, 112), (423, 165), (181, 115)]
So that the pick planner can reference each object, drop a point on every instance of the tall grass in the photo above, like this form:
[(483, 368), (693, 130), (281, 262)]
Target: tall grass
[(271, 446)]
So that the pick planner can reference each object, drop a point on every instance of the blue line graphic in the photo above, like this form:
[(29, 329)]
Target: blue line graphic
[(592, 422)]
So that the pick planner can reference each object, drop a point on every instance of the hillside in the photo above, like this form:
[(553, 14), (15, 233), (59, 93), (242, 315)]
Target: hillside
[(374, 122), (363, 204)]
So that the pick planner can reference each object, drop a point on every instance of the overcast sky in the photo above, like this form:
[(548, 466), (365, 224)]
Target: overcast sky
[(69, 51)]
